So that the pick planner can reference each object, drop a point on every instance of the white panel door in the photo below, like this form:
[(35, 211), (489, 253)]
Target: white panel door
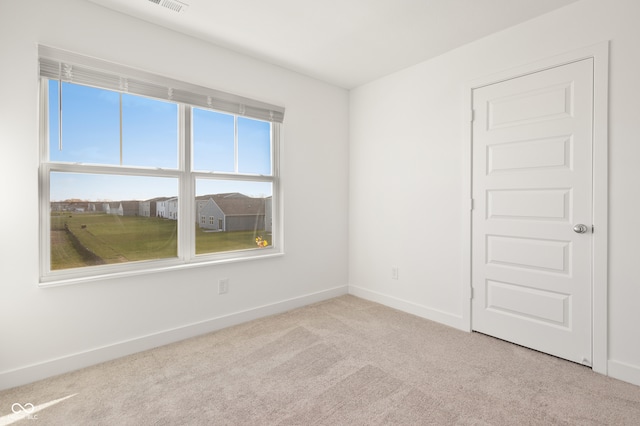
[(532, 184)]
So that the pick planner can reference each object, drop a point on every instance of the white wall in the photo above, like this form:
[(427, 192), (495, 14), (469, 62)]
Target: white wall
[(406, 169), (44, 331)]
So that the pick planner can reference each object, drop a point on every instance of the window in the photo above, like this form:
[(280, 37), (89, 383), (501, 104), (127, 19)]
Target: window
[(130, 161)]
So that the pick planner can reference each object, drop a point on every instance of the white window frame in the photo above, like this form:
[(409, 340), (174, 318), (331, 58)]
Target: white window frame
[(187, 211)]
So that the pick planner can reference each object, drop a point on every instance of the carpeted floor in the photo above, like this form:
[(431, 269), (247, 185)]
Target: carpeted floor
[(345, 361)]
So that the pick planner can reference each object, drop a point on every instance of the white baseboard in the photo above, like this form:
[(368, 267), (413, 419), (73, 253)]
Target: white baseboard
[(410, 307), (623, 371), (53, 367)]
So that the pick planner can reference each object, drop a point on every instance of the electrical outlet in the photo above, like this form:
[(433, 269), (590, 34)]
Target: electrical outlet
[(223, 285), (394, 272)]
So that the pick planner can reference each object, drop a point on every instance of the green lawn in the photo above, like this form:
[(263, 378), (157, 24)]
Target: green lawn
[(63, 254), (117, 239), (213, 242)]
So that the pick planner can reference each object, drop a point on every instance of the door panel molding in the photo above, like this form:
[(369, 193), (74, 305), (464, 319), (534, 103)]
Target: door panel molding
[(600, 54)]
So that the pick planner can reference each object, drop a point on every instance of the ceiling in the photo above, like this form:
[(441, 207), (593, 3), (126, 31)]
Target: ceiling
[(344, 42)]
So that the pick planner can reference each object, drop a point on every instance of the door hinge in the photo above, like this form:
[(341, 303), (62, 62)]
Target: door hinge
[(471, 204), (593, 229), (472, 115)]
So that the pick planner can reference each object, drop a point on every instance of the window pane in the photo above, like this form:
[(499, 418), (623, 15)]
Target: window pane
[(232, 215), (254, 146), (90, 126), (213, 141), (149, 132), (103, 219)]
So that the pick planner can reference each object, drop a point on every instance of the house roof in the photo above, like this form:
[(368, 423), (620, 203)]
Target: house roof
[(236, 204), (240, 206), (222, 195), (130, 204)]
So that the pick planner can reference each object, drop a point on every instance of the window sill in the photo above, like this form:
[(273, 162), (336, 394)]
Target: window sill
[(148, 268)]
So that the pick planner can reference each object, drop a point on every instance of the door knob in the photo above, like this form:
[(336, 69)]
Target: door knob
[(580, 228)]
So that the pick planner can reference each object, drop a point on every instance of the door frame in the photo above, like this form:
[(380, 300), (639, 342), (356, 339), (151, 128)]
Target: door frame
[(600, 184)]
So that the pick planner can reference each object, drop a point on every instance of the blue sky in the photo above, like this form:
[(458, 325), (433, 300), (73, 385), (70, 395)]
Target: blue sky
[(91, 134)]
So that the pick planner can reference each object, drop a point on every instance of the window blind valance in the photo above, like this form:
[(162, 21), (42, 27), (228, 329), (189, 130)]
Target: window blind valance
[(70, 67)]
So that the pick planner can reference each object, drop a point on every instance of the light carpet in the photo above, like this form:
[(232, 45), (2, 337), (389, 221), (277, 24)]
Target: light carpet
[(345, 361)]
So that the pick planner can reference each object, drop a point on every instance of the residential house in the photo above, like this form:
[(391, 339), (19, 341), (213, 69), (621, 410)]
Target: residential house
[(149, 208), (58, 206), (161, 207), (145, 207), (209, 215), (231, 212), (122, 208), (167, 208), (130, 208), (114, 208), (172, 208)]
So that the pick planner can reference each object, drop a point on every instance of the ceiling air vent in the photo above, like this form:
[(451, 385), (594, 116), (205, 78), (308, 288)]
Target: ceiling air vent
[(174, 5)]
